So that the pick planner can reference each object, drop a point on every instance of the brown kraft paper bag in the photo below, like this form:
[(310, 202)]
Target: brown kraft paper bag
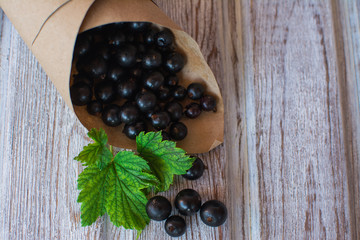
[(50, 28)]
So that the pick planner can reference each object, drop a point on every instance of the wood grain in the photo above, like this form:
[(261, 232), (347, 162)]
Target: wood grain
[(290, 165)]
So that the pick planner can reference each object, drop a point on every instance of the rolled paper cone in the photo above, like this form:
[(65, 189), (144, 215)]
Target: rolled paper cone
[(50, 29)]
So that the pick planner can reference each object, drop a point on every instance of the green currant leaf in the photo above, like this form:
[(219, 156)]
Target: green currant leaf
[(164, 158), (96, 153)]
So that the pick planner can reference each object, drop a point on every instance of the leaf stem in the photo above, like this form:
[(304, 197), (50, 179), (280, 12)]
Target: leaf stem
[(111, 149)]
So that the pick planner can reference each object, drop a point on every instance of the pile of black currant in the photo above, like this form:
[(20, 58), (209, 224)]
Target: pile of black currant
[(127, 73), (188, 202)]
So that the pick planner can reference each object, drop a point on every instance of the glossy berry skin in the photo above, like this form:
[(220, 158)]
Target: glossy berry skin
[(193, 110), (179, 93), (174, 62), (149, 36), (178, 131), (146, 101), (138, 26), (80, 93), (129, 113), (132, 130), (175, 226), (117, 38), (165, 135), (94, 107), (195, 91), (93, 66), (196, 171), (151, 59), (164, 93), (188, 202), (156, 109), (160, 120), (171, 80), (82, 45), (102, 50), (127, 89), (153, 81), (116, 74), (164, 38), (111, 115), (126, 55), (208, 103), (175, 110), (213, 213), (158, 208), (83, 78), (104, 92)]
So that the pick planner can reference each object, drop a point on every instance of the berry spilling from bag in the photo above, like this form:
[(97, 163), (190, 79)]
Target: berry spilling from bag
[(130, 73)]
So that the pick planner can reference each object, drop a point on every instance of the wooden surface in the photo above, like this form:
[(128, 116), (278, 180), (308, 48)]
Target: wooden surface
[(289, 72)]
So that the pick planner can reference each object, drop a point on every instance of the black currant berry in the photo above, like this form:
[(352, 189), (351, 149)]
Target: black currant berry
[(193, 110), (127, 89), (175, 226), (164, 38), (163, 93), (175, 110), (174, 62), (146, 101), (179, 93), (94, 107), (195, 91), (83, 78), (151, 59), (149, 36), (111, 115), (116, 73), (117, 38), (136, 71), (132, 130), (126, 55), (80, 93), (156, 109), (129, 113), (188, 202), (208, 103), (158, 208), (171, 80), (102, 50), (178, 131), (153, 81), (213, 213), (104, 92), (196, 171), (138, 26), (160, 120), (83, 44), (93, 66), (165, 135)]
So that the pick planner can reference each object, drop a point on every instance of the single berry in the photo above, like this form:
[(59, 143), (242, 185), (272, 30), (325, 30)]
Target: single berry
[(175, 226), (160, 120), (153, 80), (188, 202), (83, 44), (171, 80), (175, 110), (94, 107), (164, 38), (126, 55), (104, 92), (193, 110), (127, 89), (149, 36), (93, 66), (151, 59), (80, 93), (195, 91), (174, 62), (83, 78), (179, 93), (156, 109), (158, 208), (116, 73), (146, 101), (165, 135), (196, 171), (178, 131), (129, 113), (111, 115), (134, 129), (117, 38), (164, 93), (213, 213), (208, 103), (138, 26), (102, 50)]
